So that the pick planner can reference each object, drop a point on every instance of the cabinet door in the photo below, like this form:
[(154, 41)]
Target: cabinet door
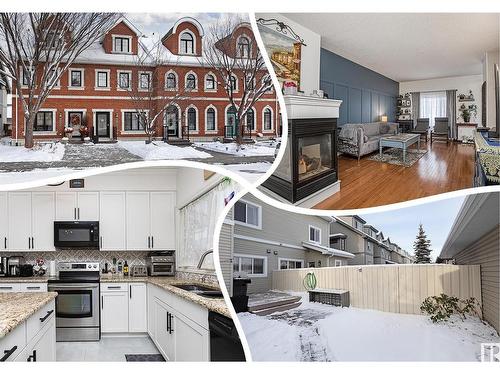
[(164, 339), (43, 213), (151, 312), (138, 227), (66, 204), (4, 221), (114, 312), (112, 221), (45, 348), (88, 206), (191, 340), (163, 220), (137, 307), (20, 221)]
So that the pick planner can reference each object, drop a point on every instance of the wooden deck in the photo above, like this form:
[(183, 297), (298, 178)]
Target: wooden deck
[(270, 302)]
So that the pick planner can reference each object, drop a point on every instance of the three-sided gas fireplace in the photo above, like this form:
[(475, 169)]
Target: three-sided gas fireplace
[(310, 160)]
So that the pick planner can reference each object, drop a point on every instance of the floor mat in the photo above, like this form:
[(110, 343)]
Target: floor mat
[(144, 358), (395, 156)]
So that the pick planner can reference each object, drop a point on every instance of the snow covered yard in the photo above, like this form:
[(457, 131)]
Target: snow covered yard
[(260, 148), (42, 152), (318, 332), (161, 151)]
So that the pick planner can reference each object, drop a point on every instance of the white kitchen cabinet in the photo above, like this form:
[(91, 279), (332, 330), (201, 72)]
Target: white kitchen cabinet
[(66, 204), (138, 221), (33, 287), (41, 348), (43, 214), (112, 222), (20, 232), (151, 311), (191, 340), (164, 338), (83, 206), (10, 287), (163, 220), (114, 311), (4, 221), (137, 307)]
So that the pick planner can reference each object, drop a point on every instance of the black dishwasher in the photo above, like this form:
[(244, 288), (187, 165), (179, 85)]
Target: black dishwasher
[(225, 344)]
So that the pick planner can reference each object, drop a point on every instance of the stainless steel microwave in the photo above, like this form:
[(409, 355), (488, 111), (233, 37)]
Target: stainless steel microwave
[(76, 234)]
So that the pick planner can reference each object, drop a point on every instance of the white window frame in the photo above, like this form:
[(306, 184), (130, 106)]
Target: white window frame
[(179, 43), (238, 52), (196, 81), (259, 216), (237, 83), (101, 88), (54, 120), (206, 117), (338, 263), (309, 234), (248, 256), (113, 37), (254, 119), (272, 119), (176, 80), (82, 71), (196, 131), (139, 74), (205, 82), (94, 120), (123, 121), (118, 72), (290, 260)]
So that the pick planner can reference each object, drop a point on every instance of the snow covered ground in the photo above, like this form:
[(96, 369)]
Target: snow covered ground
[(161, 151), (260, 148), (318, 332), (43, 152), (250, 171)]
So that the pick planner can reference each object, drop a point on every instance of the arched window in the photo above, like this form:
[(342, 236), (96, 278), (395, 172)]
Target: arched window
[(243, 47), (191, 118), (187, 43), (171, 81), (234, 83), (251, 119), (210, 119), (210, 82), (268, 119), (190, 81)]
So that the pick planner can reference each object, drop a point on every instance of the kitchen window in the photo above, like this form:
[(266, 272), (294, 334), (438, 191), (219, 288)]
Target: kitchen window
[(132, 121), (314, 234), (290, 264), (144, 81), (248, 214), (44, 121), (102, 79), (121, 44), (124, 80), (76, 78), (250, 265)]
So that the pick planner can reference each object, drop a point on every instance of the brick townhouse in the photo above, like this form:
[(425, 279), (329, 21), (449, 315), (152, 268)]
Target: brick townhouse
[(95, 91)]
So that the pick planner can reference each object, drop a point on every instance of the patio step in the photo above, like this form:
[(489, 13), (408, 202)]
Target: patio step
[(179, 142), (274, 309), (276, 303)]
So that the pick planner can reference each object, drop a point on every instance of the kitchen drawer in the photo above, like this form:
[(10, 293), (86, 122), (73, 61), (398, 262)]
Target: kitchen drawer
[(14, 341), (9, 287), (114, 287), (39, 319), (33, 287)]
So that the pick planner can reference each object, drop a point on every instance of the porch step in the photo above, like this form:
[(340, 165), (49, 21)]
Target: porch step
[(274, 309), (179, 142), (228, 140), (247, 140), (271, 303)]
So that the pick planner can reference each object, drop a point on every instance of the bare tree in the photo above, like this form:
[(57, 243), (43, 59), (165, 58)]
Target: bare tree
[(152, 95), (232, 58), (37, 48)]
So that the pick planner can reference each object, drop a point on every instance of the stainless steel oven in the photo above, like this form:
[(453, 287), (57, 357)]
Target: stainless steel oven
[(77, 302), (71, 234)]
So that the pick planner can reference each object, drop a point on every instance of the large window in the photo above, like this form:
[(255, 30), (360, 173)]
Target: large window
[(132, 121), (187, 43), (44, 121), (171, 81), (251, 119), (243, 47), (314, 234), (234, 83), (337, 243), (144, 80), (124, 80), (102, 80), (210, 82), (191, 118), (432, 105), (268, 119), (210, 119), (121, 44), (191, 81), (287, 264), (250, 265), (247, 214), (76, 78)]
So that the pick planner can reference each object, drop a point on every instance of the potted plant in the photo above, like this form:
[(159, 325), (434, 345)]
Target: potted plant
[(68, 132), (466, 112)]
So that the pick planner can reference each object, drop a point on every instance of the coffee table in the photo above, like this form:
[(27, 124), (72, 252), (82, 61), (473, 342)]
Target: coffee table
[(402, 141)]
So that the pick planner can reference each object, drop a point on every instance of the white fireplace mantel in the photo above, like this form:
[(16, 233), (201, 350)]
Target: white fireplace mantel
[(302, 106)]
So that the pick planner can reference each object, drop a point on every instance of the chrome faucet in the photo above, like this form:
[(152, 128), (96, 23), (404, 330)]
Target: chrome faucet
[(203, 256)]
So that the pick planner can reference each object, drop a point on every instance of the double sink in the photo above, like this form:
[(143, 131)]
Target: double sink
[(200, 290)]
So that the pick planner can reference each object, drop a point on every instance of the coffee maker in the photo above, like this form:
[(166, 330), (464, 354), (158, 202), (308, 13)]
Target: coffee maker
[(4, 271), (14, 265)]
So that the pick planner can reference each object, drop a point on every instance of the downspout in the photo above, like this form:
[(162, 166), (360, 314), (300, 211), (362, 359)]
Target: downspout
[(17, 114)]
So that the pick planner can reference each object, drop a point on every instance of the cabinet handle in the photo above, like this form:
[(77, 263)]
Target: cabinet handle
[(102, 302), (5, 242), (114, 287), (149, 242), (29, 243), (78, 213), (152, 242), (130, 289), (32, 358), (46, 316), (170, 330), (32, 242), (8, 353), (168, 322), (33, 287), (101, 242), (74, 213), (5, 288)]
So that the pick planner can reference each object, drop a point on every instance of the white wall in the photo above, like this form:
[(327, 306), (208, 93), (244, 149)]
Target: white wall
[(489, 61), (462, 84), (309, 69), (191, 182)]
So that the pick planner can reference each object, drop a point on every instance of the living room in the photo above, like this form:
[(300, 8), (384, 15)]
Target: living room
[(416, 100)]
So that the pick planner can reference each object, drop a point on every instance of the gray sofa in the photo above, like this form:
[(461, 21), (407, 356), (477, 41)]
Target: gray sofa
[(363, 139)]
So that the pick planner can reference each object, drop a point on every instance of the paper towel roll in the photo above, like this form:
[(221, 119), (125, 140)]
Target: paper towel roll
[(52, 268)]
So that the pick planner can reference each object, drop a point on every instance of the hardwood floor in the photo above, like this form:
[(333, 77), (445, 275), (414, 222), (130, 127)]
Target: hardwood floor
[(369, 183)]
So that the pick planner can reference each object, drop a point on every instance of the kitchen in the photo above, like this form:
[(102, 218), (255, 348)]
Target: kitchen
[(115, 267)]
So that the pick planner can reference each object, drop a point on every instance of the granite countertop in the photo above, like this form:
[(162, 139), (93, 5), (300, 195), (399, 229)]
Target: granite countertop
[(17, 307), (33, 279)]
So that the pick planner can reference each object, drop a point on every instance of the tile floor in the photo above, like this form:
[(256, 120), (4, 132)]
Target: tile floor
[(111, 349)]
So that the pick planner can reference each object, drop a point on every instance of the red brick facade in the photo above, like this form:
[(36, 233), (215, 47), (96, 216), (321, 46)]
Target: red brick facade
[(89, 99)]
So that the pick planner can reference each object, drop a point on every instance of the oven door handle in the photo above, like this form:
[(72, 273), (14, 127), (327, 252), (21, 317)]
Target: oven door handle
[(73, 287)]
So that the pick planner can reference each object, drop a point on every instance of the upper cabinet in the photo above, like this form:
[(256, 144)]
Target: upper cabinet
[(163, 220), (19, 216), (138, 218), (112, 226), (43, 211), (83, 206)]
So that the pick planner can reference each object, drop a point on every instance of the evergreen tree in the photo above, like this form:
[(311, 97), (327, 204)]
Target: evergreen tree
[(422, 247)]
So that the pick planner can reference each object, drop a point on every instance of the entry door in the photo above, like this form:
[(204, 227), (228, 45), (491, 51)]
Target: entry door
[(172, 122), (103, 124), (231, 124)]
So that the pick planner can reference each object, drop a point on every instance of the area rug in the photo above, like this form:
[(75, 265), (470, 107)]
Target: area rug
[(395, 156), (144, 358)]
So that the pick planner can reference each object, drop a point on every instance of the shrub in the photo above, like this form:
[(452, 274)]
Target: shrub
[(441, 307)]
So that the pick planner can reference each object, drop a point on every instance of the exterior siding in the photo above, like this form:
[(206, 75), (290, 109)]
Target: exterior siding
[(226, 255), (486, 253)]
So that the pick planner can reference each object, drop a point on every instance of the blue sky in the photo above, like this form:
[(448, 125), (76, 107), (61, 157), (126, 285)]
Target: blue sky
[(402, 225)]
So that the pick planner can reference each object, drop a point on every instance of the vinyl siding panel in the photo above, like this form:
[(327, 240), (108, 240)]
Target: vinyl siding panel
[(226, 255)]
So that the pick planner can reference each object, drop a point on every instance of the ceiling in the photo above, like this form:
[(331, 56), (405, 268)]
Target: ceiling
[(408, 46)]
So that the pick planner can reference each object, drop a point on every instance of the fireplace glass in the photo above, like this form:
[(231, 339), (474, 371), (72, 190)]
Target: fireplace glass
[(315, 155), (284, 169)]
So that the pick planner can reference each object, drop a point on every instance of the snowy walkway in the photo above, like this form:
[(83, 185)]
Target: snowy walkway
[(317, 332)]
